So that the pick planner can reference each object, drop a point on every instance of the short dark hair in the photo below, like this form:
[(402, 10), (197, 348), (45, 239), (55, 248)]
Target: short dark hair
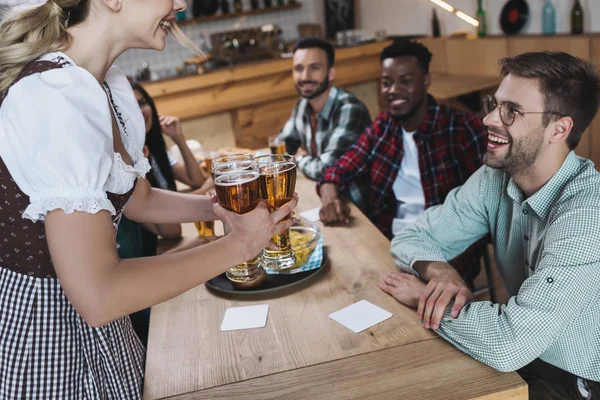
[(570, 86), (316, 43), (405, 47)]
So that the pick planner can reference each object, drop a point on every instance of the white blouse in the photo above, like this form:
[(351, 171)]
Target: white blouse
[(56, 139)]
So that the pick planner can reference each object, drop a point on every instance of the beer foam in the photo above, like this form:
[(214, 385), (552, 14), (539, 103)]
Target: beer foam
[(236, 178), (276, 168), (232, 166)]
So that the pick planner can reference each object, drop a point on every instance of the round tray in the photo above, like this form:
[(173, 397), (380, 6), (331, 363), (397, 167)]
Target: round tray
[(273, 283)]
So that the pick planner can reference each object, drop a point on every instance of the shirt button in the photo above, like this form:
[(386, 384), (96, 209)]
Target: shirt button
[(526, 237), (525, 212)]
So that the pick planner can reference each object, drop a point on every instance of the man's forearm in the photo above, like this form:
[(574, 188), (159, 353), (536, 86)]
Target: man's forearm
[(428, 270), (311, 166)]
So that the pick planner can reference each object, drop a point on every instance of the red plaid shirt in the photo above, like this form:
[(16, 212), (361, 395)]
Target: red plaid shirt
[(451, 146)]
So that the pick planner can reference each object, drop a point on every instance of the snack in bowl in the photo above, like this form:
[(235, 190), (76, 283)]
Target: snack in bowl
[(304, 237)]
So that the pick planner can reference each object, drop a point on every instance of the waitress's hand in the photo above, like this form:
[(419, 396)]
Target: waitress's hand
[(171, 127), (254, 230)]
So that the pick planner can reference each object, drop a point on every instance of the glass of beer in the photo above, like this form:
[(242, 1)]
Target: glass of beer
[(205, 228), (210, 155), (276, 145), (238, 191), (231, 162), (277, 186)]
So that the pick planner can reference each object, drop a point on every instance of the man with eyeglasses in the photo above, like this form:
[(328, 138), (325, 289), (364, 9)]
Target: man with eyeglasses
[(412, 155), (541, 204)]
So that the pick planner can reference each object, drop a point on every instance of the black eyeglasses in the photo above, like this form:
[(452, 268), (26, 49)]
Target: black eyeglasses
[(508, 112)]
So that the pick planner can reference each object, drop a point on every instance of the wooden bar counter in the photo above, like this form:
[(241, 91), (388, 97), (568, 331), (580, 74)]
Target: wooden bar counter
[(301, 353)]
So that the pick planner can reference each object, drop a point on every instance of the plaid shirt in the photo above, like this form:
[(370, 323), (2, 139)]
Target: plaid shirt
[(451, 146), (343, 118), (547, 249)]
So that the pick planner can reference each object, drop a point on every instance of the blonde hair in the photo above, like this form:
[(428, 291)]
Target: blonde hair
[(28, 32), (183, 39)]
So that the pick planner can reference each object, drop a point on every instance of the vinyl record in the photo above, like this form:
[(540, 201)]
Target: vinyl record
[(514, 16)]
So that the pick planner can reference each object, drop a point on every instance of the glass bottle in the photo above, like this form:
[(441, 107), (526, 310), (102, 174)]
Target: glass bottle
[(548, 18), (237, 6), (435, 25), (225, 6), (482, 28), (577, 18)]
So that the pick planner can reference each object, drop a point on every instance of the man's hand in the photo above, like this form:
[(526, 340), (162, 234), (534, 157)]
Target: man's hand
[(444, 285), (406, 288), (333, 209)]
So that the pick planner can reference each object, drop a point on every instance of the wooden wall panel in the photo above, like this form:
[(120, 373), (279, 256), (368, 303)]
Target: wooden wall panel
[(577, 46), (437, 47), (475, 56), (254, 125), (520, 45)]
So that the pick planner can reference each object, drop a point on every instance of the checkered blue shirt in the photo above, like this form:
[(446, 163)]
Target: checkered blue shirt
[(339, 124), (547, 250)]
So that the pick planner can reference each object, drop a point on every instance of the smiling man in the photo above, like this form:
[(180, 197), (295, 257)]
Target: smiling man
[(541, 205), (413, 154), (326, 119)]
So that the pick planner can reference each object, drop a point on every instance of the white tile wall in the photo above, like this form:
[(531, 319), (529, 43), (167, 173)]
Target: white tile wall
[(174, 54)]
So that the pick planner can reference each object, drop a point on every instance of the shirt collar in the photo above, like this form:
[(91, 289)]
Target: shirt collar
[(427, 126), (327, 108), (542, 201)]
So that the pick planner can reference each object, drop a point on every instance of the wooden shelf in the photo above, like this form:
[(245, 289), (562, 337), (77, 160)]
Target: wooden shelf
[(232, 15)]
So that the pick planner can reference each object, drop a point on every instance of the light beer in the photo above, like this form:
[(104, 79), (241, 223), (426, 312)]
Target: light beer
[(205, 228), (210, 156), (277, 145), (238, 191), (226, 167), (277, 186)]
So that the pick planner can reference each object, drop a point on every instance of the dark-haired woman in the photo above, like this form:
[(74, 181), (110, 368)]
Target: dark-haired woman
[(134, 239), (141, 240)]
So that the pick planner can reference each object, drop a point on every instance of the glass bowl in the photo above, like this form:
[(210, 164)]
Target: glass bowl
[(304, 237)]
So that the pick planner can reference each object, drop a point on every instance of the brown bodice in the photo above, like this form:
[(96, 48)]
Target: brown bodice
[(23, 245)]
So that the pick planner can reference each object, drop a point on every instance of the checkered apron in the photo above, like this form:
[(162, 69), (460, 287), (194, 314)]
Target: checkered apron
[(47, 351)]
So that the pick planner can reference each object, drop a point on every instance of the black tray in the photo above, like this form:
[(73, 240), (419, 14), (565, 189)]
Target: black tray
[(273, 283)]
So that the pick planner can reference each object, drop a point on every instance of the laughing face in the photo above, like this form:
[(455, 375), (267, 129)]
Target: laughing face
[(517, 147), (403, 86), (160, 16)]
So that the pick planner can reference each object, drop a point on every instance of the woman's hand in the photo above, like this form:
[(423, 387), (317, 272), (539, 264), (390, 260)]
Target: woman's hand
[(171, 126), (254, 230)]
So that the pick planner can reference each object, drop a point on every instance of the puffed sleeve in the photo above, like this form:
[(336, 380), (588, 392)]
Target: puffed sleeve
[(56, 141)]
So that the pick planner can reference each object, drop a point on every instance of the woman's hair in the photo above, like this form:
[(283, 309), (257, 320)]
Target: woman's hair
[(156, 143), (27, 32)]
